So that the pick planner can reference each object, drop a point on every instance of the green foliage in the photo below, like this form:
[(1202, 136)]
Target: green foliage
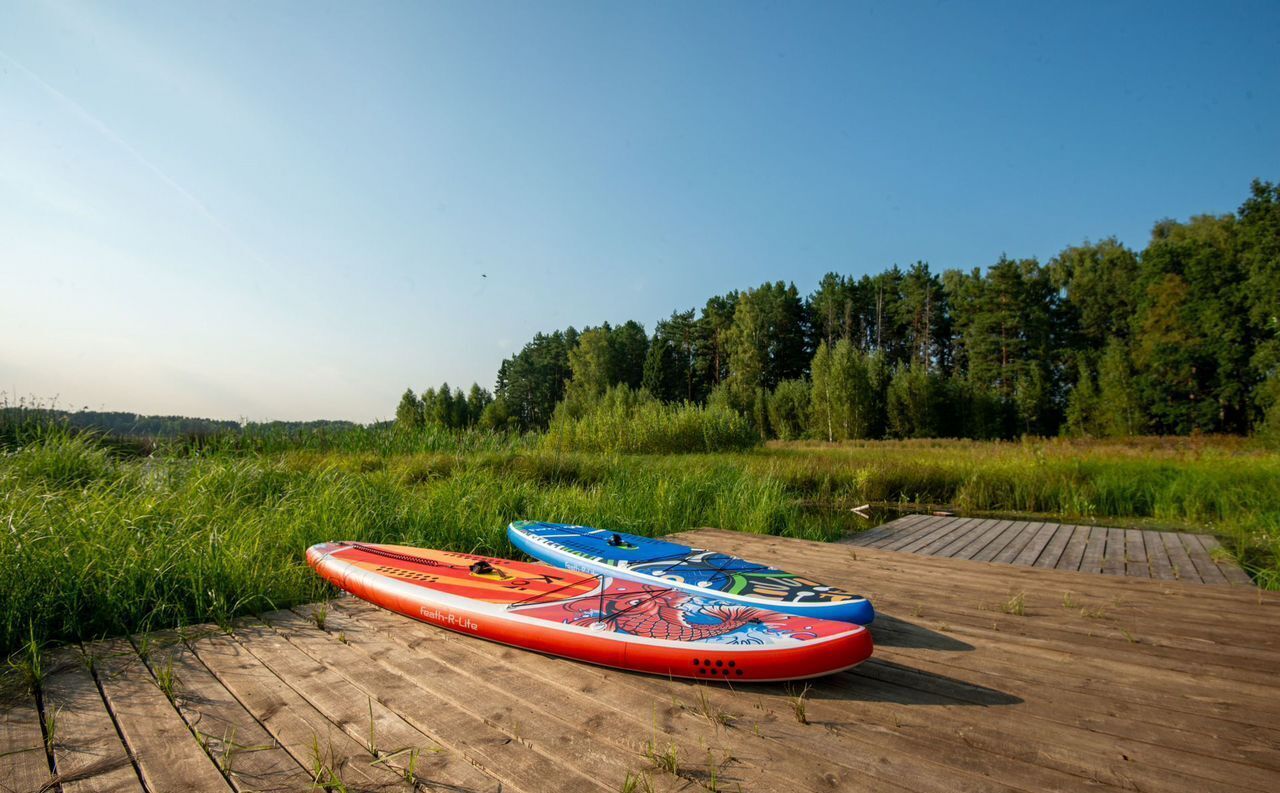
[(789, 409), (766, 342), (531, 382), (409, 415), (1083, 407), (917, 403), (1192, 345), (663, 374), (1195, 313), (98, 545), (591, 366), (1118, 411), (845, 399), (1101, 281), (628, 421)]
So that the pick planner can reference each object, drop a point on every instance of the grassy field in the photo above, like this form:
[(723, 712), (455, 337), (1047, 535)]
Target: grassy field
[(98, 541)]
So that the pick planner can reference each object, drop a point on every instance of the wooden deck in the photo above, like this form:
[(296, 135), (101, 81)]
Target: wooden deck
[(985, 678), (1137, 553)]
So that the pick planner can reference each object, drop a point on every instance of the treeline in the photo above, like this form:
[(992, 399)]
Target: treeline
[(134, 433), (1179, 337), (126, 425)]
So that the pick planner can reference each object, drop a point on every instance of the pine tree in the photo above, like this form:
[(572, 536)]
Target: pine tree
[(477, 400), (916, 403), (409, 411), (662, 376)]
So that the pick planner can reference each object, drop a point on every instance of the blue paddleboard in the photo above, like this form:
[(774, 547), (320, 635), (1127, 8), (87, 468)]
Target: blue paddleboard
[(603, 552)]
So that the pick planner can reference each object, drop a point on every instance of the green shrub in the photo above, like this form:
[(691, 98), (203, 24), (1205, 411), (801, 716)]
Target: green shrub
[(632, 422)]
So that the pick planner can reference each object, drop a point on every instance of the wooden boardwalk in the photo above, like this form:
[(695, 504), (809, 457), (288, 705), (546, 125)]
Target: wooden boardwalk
[(1138, 553), (985, 678)]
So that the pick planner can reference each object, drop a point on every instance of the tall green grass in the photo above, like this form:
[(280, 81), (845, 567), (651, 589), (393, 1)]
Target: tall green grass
[(632, 422), (380, 439), (98, 543)]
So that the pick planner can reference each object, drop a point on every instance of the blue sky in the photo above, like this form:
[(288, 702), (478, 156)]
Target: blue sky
[(284, 210)]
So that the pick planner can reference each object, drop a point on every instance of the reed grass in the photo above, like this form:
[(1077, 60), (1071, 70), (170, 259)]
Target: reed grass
[(101, 543)]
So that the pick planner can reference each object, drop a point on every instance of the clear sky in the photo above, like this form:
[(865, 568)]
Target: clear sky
[(286, 209)]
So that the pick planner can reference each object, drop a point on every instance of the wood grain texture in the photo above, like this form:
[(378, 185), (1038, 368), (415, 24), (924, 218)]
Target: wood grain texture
[(1090, 549), (165, 750), (24, 764), (1111, 682), (88, 755)]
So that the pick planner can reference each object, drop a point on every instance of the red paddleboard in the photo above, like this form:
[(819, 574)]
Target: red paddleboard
[(598, 619)]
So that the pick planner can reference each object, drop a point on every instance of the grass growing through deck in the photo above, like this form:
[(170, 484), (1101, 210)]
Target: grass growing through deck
[(98, 543)]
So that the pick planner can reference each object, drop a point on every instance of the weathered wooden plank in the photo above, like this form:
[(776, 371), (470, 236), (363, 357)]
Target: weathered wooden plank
[(486, 723), (895, 526), (941, 531), (1117, 760), (867, 760), (24, 764), (1114, 555), (1188, 597), (304, 732), (1135, 554), (980, 541), (1035, 546), (1013, 529), (1095, 549), (1089, 706), (947, 544), (1205, 568), (1073, 554), (1157, 557), (1100, 681), (88, 754), (1016, 545), (943, 577), (433, 714), (899, 529), (1183, 568), (556, 686), (1230, 570), (246, 753), (927, 528), (1053, 549), (167, 755), (562, 687), (865, 537)]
